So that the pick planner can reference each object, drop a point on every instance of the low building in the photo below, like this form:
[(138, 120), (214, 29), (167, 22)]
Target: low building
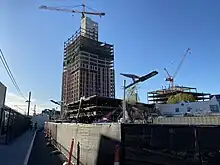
[(2, 105), (52, 113), (2, 95), (211, 107)]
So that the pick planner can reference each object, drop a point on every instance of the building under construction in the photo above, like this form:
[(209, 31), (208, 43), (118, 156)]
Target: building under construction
[(88, 67), (95, 108), (161, 96)]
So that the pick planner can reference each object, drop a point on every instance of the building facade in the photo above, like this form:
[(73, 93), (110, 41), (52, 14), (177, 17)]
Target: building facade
[(198, 108), (2, 95), (88, 67)]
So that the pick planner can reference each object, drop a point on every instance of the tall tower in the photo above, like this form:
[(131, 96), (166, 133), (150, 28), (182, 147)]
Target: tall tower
[(88, 67)]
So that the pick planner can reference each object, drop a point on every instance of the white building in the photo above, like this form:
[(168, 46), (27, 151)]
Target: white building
[(210, 107), (89, 28), (40, 119)]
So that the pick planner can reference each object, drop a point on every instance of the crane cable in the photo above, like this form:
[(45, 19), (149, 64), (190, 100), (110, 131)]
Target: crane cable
[(4, 62)]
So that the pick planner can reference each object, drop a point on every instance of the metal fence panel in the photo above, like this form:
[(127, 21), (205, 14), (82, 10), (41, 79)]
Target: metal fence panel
[(169, 144)]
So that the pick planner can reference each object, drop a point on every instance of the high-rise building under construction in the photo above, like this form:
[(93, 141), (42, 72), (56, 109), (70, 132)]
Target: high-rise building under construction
[(88, 67)]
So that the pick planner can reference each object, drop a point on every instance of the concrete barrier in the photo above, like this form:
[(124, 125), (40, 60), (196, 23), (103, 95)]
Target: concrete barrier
[(96, 141), (94, 144)]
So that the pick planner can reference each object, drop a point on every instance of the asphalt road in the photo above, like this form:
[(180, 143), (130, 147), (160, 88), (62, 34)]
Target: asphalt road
[(41, 154)]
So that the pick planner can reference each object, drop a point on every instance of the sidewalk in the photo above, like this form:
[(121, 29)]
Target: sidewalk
[(15, 152)]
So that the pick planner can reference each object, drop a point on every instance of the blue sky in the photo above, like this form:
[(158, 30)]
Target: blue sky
[(147, 35)]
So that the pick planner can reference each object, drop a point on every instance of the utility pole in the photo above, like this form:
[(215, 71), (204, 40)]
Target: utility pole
[(34, 110), (124, 100), (29, 103)]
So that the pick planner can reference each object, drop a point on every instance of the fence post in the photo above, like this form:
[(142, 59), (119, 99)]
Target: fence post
[(7, 131), (78, 154), (197, 145)]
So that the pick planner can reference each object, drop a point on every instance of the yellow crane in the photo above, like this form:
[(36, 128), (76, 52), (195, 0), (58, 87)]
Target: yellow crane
[(171, 78), (83, 12)]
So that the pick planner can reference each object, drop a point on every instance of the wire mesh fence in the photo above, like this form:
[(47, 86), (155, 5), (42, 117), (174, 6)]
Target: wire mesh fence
[(12, 125)]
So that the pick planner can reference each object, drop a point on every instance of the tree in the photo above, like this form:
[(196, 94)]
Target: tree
[(132, 95), (180, 97)]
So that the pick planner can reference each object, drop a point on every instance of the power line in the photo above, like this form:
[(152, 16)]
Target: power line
[(20, 108), (5, 64)]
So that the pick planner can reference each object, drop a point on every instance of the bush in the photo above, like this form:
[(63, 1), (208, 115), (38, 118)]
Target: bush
[(180, 97)]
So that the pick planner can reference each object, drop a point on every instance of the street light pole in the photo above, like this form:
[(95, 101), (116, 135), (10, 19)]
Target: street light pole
[(61, 110), (61, 104), (136, 79), (124, 100)]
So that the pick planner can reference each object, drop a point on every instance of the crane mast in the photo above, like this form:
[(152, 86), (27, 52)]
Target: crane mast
[(171, 78)]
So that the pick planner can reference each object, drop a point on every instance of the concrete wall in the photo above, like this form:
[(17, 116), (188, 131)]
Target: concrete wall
[(97, 141), (197, 108), (200, 120)]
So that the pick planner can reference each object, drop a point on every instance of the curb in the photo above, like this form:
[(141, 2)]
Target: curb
[(29, 150)]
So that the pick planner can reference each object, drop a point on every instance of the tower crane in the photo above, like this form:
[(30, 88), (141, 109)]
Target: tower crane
[(83, 12), (171, 78)]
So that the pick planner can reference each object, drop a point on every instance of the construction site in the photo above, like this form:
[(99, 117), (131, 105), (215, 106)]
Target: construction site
[(99, 123), (161, 96)]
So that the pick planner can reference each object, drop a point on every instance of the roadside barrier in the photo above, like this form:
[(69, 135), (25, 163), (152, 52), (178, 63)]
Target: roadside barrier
[(116, 159)]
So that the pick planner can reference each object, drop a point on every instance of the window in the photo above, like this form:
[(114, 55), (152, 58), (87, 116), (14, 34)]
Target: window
[(214, 108), (177, 110), (189, 109)]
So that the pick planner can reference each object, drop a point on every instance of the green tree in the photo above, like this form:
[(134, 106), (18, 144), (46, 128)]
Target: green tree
[(180, 97)]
